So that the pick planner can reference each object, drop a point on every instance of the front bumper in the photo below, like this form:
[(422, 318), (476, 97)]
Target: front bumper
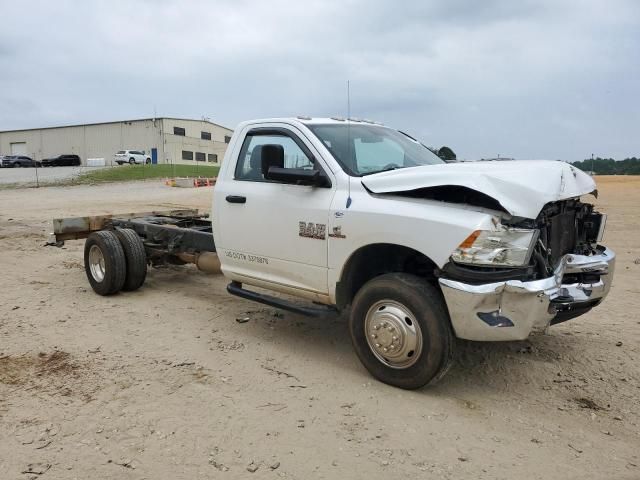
[(511, 310)]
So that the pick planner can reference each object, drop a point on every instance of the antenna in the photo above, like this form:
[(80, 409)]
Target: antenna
[(349, 140)]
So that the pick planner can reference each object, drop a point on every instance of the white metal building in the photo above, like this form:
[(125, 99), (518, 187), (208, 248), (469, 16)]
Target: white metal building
[(165, 140)]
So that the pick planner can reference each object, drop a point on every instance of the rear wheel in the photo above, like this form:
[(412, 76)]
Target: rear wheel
[(136, 259), (104, 262), (148, 161), (401, 331)]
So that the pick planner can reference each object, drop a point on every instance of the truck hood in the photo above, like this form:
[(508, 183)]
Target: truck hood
[(521, 187)]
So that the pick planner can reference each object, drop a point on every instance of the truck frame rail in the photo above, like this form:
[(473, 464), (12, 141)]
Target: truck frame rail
[(172, 236)]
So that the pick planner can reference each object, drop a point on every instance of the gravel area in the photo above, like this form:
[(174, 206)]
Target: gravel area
[(42, 175)]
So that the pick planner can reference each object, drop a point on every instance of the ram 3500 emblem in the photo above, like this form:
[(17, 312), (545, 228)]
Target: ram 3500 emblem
[(337, 233), (312, 230)]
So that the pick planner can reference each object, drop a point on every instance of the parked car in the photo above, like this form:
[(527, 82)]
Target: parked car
[(62, 161), (132, 157), (12, 161)]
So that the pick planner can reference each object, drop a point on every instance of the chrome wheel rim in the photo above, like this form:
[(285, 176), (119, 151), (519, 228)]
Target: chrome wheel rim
[(393, 334), (96, 263)]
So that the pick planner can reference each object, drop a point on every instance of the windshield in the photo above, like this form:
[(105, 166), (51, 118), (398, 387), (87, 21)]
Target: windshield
[(367, 149)]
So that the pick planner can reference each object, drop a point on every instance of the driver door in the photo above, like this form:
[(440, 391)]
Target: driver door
[(274, 234)]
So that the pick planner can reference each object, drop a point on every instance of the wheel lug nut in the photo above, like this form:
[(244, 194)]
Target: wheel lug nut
[(385, 349), (394, 338), (373, 335), (376, 327), (377, 345)]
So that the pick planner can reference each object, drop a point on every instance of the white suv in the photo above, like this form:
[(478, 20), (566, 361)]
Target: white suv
[(132, 157)]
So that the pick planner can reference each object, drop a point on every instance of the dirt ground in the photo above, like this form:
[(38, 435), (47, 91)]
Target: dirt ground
[(165, 383)]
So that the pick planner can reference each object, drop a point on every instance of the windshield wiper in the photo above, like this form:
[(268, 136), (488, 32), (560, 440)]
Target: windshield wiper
[(388, 169)]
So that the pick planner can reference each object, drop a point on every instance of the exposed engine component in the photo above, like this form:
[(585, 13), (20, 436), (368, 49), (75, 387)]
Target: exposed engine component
[(568, 226)]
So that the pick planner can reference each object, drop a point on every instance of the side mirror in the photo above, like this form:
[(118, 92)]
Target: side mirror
[(297, 176)]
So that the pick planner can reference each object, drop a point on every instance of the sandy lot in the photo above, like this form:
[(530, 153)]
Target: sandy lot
[(164, 383)]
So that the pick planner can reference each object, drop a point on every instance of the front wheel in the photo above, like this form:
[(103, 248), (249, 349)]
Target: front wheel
[(400, 330), (132, 161)]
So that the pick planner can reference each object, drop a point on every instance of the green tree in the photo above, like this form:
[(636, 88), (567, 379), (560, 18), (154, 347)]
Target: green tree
[(609, 166), (446, 154)]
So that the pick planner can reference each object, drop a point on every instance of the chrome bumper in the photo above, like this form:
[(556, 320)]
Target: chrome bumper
[(513, 309)]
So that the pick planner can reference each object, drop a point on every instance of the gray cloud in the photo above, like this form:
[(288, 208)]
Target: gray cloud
[(529, 79)]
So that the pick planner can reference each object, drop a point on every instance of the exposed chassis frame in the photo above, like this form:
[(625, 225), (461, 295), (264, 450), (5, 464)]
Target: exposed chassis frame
[(163, 233)]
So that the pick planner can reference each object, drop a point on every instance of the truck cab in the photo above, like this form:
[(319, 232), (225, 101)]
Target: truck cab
[(363, 218)]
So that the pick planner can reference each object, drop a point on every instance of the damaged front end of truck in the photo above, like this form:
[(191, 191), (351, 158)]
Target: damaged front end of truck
[(542, 263)]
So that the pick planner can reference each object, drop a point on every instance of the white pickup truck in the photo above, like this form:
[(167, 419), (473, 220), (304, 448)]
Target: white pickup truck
[(357, 217)]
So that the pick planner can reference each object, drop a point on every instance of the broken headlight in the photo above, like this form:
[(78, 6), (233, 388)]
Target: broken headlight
[(509, 247)]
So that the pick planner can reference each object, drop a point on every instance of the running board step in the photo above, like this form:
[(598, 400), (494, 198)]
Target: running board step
[(235, 288)]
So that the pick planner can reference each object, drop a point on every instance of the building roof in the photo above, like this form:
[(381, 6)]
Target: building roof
[(117, 121)]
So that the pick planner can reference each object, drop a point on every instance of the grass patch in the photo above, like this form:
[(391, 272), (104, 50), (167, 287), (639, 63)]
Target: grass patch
[(128, 173)]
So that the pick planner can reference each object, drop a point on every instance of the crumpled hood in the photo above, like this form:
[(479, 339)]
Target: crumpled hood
[(522, 187)]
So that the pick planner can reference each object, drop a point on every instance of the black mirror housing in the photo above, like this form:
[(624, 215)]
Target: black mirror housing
[(297, 176)]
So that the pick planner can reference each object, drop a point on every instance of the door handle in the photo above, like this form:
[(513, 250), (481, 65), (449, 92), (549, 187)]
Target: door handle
[(236, 199)]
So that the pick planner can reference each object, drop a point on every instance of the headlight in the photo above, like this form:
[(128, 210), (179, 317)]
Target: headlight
[(505, 247)]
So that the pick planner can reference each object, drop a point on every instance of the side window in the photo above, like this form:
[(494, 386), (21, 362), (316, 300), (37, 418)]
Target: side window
[(275, 150)]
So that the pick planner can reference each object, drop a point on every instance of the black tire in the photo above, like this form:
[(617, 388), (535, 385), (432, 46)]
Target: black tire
[(107, 278), (136, 259), (132, 161), (425, 304), (148, 161)]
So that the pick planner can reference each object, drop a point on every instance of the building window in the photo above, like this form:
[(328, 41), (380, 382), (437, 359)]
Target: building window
[(205, 135), (179, 131), (186, 155), (227, 139), (200, 157), (213, 157)]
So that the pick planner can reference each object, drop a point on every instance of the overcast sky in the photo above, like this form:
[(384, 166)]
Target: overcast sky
[(556, 79)]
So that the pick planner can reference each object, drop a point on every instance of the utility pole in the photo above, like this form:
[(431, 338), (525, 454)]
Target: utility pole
[(592, 172)]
